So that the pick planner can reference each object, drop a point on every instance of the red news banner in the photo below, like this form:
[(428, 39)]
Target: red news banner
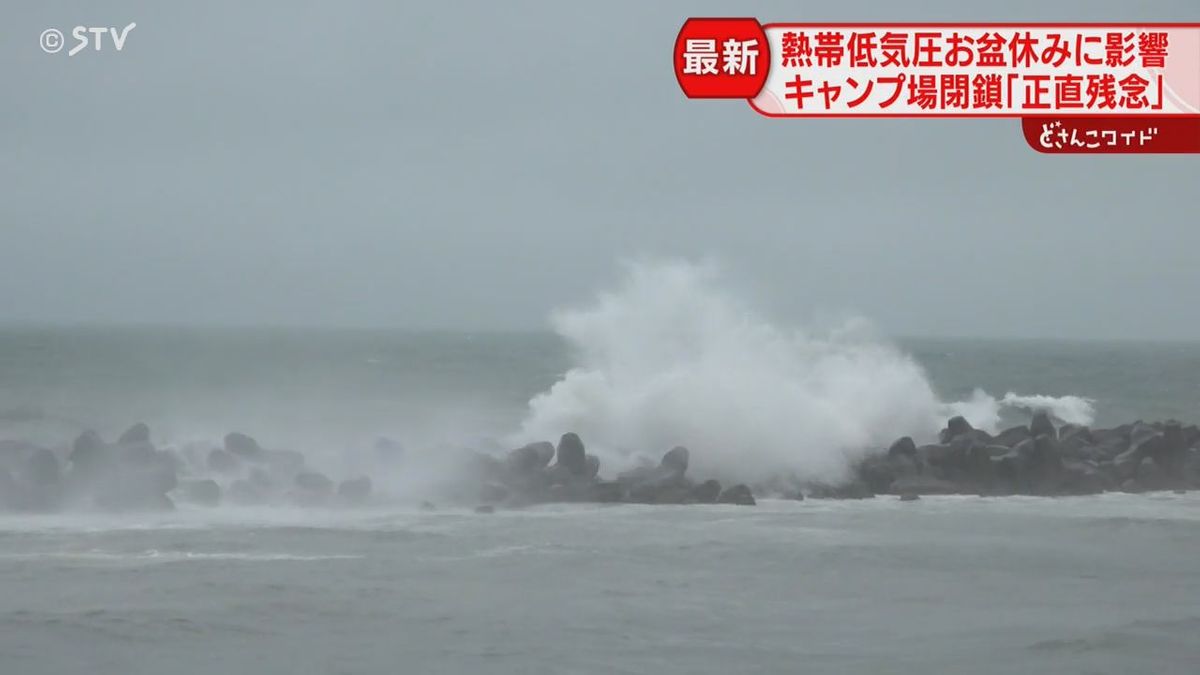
[(1077, 88)]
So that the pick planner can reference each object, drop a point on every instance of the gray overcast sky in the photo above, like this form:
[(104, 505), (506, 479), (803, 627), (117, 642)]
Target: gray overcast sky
[(417, 165)]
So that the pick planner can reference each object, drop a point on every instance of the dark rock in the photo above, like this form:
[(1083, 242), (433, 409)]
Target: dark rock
[(1107, 444), (1077, 441), (878, 473), (355, 490), (592, 468), (982, 462), (1011, 436), (1131, 485), (203, 492), (1151, 477), (1033, 466), (958, 460), (1119, 435), (1102, 451), (242, 445), (676, 460), (1192, 468), (940, 455), (1046, 455), (980, 437), (643, 481), (531, 457), (737, 494), (1147, 440), (955, 426), (1087, 453), (87, 442), (221, 461), (545, 452), (1041, 465), (1144, 442), (558, 475), (314, 482), (909, 497), (902, 447), (1125, 465), (136, 434), (571, 455), (88, 452), (1009, 468), (1068, 431), (1041, 425), (1191, 435), (573, 469), (311, 489), (707, 492), (1083, 478), (1172, 452)]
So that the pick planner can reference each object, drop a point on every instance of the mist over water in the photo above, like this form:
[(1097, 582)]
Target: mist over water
[(669, 357)]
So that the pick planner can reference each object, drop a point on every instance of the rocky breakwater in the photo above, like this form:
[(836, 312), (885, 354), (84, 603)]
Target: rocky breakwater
[(1036, 459), (132, 474), (1040, 458), (542, 472)]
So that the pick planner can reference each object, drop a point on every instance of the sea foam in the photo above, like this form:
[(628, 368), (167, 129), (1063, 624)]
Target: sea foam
[(670, 358)]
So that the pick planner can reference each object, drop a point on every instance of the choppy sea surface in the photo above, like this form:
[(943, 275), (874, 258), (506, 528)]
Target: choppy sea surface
[(313, 387), (943, 585), (1103, 584)]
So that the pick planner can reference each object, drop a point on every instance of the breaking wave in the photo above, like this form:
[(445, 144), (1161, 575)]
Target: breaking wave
[(669, 358), (1068, 409)]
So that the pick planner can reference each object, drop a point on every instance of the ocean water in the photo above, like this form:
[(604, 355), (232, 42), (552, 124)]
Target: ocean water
[(326, 389), (1101, 584)]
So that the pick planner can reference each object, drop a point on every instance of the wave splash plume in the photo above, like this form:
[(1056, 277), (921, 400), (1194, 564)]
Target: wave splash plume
[(669, 358)]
